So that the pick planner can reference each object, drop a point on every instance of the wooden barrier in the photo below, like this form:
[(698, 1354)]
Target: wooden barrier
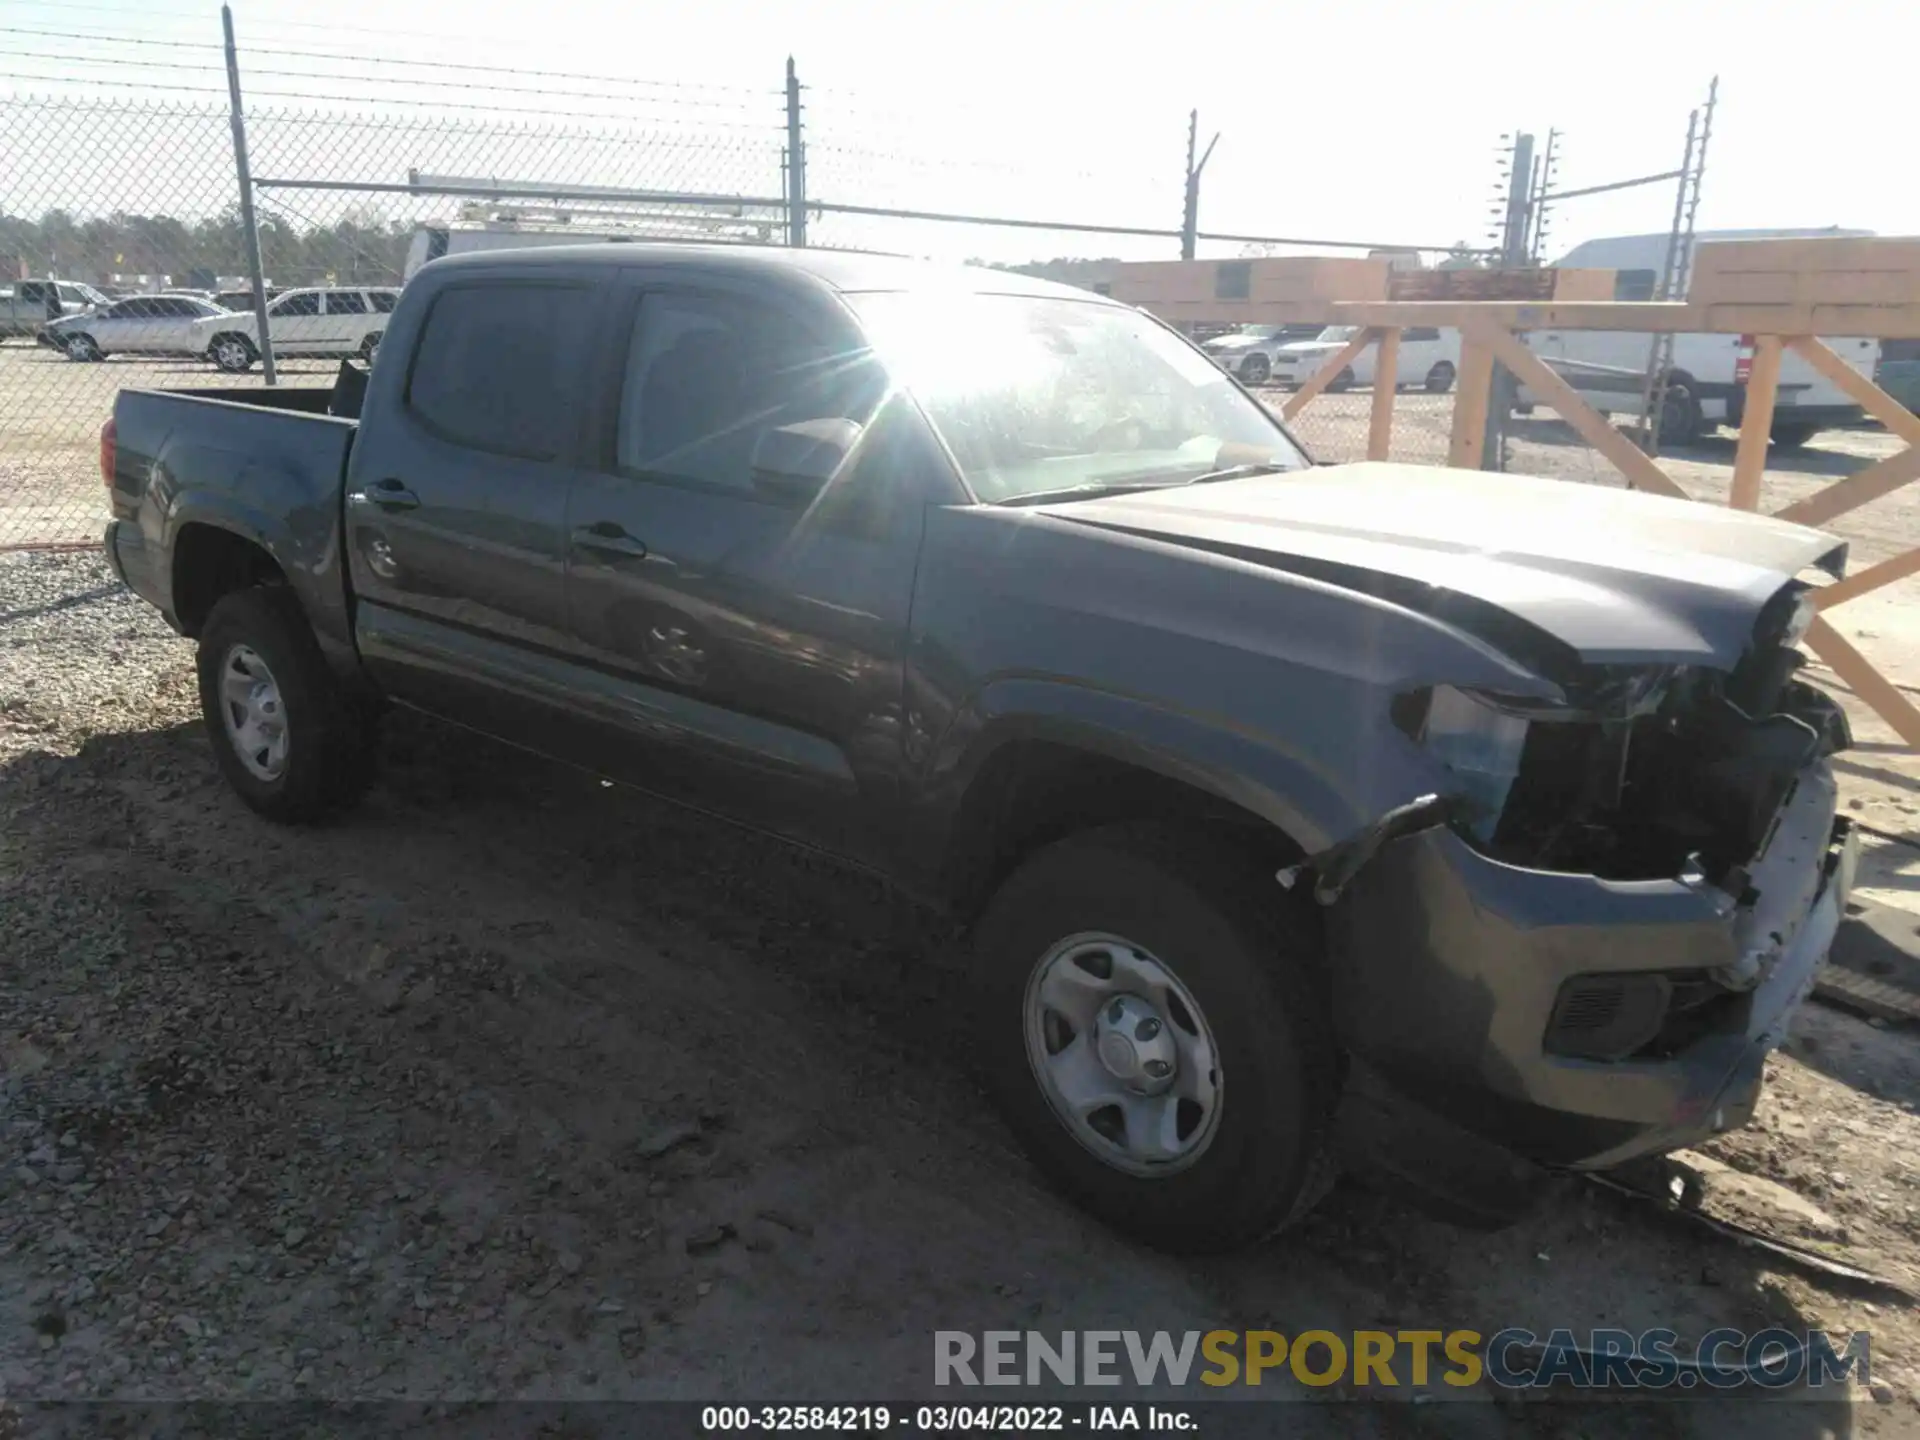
[(1783, 293)]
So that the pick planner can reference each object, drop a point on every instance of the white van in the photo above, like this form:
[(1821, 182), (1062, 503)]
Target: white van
[(1707, 384)]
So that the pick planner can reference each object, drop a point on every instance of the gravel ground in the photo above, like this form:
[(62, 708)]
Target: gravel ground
[(515, 1085)]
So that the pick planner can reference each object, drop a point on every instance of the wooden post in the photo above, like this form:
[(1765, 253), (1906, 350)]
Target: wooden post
[(1531, 370), (1869, 684), (1474, 390), (1858, 388), (1386, 383), (1869, 579), (1326, 374), (1756, 424)]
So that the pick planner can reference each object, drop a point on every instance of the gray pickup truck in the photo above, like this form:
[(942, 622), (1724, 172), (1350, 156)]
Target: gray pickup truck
[(1453, 828)]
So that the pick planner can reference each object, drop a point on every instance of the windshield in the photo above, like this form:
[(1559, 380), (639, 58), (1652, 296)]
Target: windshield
[(1036, 395), (1339, 332)]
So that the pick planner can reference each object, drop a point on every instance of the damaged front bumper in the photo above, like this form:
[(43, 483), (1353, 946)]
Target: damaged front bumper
[(1502, 1021)]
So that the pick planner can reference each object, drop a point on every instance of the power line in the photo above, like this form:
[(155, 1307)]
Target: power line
[(283, 53)]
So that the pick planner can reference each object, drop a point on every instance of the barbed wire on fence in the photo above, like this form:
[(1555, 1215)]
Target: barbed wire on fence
[(125, 181)]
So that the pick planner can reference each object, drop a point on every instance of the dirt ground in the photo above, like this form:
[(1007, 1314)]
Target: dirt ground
[(516, 1085)]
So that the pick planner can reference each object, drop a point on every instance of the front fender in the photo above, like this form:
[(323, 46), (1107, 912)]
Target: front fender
[(1262, 774)]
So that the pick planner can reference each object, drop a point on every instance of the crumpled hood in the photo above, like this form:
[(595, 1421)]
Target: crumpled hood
[(1617, 576)]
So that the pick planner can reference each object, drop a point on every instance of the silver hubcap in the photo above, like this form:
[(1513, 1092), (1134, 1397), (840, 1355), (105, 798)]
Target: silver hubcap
[(255, 717), (232, 354), (1123, 1054)]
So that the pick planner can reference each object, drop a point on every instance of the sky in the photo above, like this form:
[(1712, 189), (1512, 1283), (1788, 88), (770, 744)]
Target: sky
[(1361, 120)]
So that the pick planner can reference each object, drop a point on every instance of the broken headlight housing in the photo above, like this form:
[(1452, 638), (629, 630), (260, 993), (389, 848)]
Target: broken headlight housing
[(1480, 745)]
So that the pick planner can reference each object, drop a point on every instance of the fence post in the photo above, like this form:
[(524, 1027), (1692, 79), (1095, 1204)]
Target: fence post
[(248, 224), (1504, 391), (796, 164)]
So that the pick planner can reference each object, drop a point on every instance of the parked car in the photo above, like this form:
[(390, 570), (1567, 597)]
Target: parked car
[(1249, 350), (1454, 827), (238, 300), (27, 307), (1428, 358), (342, 321), (142, 325), (1706, 387)]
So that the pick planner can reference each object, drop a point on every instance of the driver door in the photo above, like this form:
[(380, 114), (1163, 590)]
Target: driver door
[(755, 636)]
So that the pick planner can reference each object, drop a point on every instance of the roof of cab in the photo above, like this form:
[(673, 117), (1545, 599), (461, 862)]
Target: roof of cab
[(847, 271)]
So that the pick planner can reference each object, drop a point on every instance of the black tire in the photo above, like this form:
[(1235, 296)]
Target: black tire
[(1254, 370), (1440, 378), (1793, 434), (1213, 917), (329, 733), (82, 349), (233, 353), (1680, 419), (1342, 381), (368, 346)]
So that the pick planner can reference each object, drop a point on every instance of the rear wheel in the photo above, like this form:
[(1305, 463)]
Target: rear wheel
[(234, 354), (82, 348), (1440, 377), (289, 738), (1255, 370), (1793, 434), (1152, 1028), (368, 346), (1680, 419)]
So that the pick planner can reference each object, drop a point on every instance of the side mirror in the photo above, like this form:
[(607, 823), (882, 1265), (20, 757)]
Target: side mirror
[(796, 461)]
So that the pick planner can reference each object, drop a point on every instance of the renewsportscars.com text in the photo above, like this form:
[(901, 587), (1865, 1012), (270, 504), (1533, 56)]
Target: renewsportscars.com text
[(1512, 1358)]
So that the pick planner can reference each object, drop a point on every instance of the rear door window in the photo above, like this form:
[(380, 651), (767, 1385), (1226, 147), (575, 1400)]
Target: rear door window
[(383, 301), (495, 366), (346, 302)]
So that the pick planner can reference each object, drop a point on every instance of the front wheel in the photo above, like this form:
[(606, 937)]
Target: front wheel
[(1255, 370), (290, 740), (1343, 381), (1152, 1027), (232, 353), (82, 349), (1440, 378)]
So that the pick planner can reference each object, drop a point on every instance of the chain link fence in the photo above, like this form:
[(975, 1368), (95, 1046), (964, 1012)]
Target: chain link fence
[(132, 203)]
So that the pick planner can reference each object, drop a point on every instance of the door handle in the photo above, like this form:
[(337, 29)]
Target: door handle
[(610, 537), (388, 494)]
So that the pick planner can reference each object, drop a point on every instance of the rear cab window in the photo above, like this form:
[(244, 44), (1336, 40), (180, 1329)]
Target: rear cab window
[(494, 367)]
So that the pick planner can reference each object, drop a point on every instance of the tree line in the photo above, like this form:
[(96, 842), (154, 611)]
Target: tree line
[(361, 247)]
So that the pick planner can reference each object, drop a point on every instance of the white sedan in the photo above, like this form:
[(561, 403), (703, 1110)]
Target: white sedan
[(139, 325), (1429, 358)]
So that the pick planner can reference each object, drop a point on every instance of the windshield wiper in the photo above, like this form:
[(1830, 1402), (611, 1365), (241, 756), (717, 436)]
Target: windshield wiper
[(1241, 472), (1085, 492)]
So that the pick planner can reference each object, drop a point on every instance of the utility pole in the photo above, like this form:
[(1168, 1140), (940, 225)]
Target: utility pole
[(1190, 218), (796, 165), (1521, 182), (247, 223)]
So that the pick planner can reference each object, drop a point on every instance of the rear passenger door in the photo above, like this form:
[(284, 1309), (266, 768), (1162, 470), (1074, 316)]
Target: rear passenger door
[(294, 323), (345, 314), (457, 495), (751, 636)]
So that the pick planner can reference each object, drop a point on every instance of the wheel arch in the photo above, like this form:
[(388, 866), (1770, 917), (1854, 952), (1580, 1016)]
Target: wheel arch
[(211, 561), (1030, 779)]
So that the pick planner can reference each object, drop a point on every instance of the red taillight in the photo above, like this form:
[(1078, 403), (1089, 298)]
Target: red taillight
[(1743, 361), (109, 448)]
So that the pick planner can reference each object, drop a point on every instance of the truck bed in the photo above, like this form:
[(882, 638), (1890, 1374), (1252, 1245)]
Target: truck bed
[(267, 465)]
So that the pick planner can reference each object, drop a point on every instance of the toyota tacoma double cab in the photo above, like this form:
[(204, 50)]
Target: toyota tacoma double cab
[(1451, 828)]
